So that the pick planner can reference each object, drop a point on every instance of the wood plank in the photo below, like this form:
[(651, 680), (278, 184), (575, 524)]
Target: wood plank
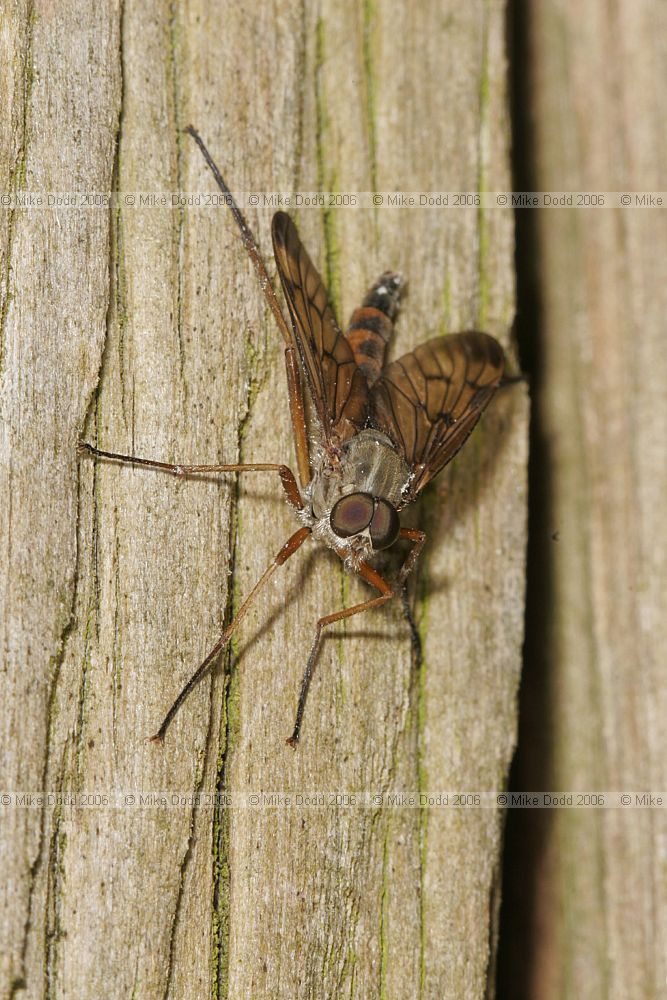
[(149, 320)]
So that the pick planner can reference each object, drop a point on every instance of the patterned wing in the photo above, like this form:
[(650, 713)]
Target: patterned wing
[(429, 401), (337, 385)]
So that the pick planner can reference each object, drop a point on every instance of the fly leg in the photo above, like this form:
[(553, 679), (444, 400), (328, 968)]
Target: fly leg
[(286, 475), (294, 386), (386, 593), (288, 550), (373, 577)]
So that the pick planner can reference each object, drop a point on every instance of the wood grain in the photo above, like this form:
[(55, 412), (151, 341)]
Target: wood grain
[(596, 919), (143, 327)]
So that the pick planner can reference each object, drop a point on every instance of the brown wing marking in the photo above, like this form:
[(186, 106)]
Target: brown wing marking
[(336, 384), (429, 401)]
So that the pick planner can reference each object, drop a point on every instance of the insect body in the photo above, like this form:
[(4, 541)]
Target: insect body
[(354, 502), (384, 430)]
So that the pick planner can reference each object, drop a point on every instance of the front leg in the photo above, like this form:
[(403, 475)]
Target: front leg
[(386, 593), (419, 539)]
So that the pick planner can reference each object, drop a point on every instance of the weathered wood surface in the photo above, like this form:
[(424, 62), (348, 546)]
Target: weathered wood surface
[(144, 330), (596, 917)]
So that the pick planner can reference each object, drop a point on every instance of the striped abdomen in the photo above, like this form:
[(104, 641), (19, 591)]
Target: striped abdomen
[(372, 324)]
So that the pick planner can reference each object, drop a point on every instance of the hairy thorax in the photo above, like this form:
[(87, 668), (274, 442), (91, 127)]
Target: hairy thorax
[(368, 463)]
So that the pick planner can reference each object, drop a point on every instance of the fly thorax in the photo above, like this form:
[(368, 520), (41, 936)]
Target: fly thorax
[(369, 464)]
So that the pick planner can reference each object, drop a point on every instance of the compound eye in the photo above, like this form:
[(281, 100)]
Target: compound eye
[(352, 514), (385, 525)]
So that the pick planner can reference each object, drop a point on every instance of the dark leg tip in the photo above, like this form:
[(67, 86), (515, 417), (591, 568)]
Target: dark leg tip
[(293, 740), (157, 738), (83, 448)]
